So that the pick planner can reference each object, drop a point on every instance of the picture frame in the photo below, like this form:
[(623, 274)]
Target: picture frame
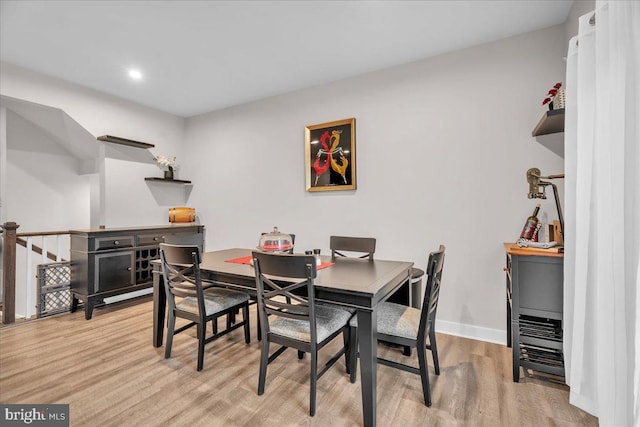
[(330, 156)]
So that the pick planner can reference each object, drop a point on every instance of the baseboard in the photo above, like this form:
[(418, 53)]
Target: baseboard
[(123, 297), (479, 333)]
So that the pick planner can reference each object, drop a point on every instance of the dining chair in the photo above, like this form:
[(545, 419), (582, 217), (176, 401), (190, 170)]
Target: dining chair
[(192, 298), (302, 323), (352, 244), (293, 241), (408, 326)]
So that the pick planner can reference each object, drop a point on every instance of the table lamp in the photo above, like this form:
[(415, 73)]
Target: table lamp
[(537, 189)]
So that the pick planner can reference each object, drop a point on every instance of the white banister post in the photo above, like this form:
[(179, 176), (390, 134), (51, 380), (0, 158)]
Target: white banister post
[(29, 297), (44, 249), (59, 248)]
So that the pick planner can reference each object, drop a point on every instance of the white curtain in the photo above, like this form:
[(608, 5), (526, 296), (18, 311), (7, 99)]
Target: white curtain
[(602, 204)]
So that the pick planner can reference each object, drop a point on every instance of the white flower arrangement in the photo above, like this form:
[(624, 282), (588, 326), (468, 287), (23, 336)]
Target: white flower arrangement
[(169, 162)]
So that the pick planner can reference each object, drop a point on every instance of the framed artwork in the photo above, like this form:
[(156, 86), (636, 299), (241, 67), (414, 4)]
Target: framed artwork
[(330, 156)]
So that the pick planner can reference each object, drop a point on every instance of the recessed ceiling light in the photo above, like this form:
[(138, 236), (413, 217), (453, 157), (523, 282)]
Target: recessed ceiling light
[(135, 74)]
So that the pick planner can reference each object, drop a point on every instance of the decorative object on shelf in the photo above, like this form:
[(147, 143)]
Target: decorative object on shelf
[(169, 162), (529, 231), (275, 242), (537, 190), (555, 97), (182, 214), (330, 156), (559, 100)]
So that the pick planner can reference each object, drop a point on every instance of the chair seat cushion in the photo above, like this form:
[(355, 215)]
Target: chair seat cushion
[(396, 320), (215, 301), (329, 319)]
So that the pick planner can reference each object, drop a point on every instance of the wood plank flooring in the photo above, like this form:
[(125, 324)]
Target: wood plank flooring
[(111, 375)]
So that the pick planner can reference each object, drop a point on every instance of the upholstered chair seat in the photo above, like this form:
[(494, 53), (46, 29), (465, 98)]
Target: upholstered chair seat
[(396, 320), (215, 301), (329, 320)]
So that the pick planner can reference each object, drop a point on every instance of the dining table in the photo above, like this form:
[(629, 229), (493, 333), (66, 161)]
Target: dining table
[(356, 283)]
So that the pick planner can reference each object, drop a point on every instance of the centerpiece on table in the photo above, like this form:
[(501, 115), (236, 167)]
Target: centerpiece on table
[(169, 162)]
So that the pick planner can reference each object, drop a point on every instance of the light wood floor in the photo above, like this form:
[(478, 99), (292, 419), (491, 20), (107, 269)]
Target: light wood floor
[(111, 375)]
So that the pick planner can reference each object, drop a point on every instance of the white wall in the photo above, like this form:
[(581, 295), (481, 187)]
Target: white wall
[(51, 196), (130, 201), (55, 183), (442, 150)]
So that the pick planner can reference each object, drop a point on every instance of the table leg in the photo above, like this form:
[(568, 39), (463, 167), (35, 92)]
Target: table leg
[(159, 308), (416, 293), (367, 343)]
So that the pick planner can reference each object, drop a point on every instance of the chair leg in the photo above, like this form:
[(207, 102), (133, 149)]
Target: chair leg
[(353, 354), (214, 324), (434, 350), (264, 361), (300, 354), (171, 326), (247, 330), (259, 326), (406, 350), (313, 382), (230, 320), (424, 373), (347, 343), (201, 332)]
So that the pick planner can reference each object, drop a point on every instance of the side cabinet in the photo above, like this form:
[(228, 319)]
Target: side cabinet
[(534, 311), (109, 262)]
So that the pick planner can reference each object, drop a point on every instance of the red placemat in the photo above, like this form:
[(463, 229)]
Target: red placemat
[(324, 265), (241, 260), (247, 260)]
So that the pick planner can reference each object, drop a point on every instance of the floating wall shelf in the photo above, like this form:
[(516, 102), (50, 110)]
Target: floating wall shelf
[(550, 131), (124, 141), (551, 122), (169, 181)]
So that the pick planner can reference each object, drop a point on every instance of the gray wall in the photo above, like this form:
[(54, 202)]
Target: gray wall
[(442, 149)]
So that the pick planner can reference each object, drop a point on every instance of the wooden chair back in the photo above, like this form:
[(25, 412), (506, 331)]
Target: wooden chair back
[(277, 297), (339, 244), (435, 265), (181, 269)]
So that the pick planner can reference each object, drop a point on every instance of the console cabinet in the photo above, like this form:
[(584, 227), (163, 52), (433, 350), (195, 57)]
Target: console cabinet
[(534, 310), (109, 262)]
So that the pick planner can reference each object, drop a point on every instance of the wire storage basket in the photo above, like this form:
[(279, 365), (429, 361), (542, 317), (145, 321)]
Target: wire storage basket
[(54, 288)]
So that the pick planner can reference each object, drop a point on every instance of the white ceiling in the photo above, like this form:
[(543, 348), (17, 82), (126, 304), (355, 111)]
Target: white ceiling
[(199, 56)]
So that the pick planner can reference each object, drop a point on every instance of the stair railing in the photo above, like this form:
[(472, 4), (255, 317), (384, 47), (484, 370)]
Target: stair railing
[(11, 240)]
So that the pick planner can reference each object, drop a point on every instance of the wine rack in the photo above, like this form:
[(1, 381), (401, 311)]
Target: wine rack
[(143, 264), (541, 343)]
